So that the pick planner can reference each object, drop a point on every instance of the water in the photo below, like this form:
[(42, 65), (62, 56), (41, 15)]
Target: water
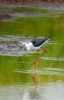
[(19, 77), (12, 45), (45, 71), (28, 92), (17, 81)]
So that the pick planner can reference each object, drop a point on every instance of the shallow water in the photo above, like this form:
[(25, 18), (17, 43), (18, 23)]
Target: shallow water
[(30, 92), (12, 46), (53, 58), (45, 71), (16, 72)]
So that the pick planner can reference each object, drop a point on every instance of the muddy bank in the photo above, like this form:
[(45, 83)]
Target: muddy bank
[(55, 6), (12, 14)]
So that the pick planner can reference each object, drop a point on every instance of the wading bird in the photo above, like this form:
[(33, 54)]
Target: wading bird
[(36, 44)]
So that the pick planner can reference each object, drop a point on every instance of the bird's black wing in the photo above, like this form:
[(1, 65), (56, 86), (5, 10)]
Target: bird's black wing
[(38, 42)]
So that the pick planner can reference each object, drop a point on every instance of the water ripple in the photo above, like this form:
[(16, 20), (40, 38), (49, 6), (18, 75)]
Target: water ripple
[(45, 71)]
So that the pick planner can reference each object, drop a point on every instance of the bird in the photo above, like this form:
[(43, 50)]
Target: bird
[(35, 44)]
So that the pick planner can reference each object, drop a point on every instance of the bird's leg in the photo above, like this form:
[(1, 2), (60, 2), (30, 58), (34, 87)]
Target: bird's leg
[(38, 58), (36, 63), (36, 74), (45, 50)]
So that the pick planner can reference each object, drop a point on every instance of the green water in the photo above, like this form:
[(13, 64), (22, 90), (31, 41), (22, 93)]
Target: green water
[(40, 26)]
